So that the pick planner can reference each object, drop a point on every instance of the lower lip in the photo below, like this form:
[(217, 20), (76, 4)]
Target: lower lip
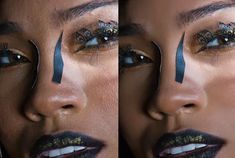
[(207, 152), (86, 153)]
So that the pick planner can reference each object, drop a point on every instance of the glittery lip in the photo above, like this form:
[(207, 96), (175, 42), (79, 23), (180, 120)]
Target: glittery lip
[(183, 138), (65, 139)]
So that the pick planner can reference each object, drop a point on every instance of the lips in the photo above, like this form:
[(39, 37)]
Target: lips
[(66, 145), (187, 144)]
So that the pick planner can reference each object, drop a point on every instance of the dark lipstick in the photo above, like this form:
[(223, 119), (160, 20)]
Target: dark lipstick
[(187, 144), (66, 145)]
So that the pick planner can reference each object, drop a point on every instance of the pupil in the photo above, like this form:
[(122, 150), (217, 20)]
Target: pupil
[(17, 57), (141, 57), (106, 38)]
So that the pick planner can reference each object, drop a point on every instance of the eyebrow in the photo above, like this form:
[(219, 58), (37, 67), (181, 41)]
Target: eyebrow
[(130, 29), (68, 15), (9, 27), (185, 18)]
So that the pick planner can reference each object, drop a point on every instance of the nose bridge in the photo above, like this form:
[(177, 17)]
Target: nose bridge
[(172, 96), (48, 97)]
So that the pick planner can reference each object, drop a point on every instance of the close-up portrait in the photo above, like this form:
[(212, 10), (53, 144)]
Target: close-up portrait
[(59, 78), (176, 72)]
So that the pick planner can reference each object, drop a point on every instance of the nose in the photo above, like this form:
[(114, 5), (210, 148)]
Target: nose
[(49, 99), (173, 98)]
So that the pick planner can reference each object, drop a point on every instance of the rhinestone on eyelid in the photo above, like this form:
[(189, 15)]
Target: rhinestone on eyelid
[(80, 38), (204, 36)]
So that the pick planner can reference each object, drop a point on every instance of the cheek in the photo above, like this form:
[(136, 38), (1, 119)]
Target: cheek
[(15, 85), (102, 78), (220, 88), (220, 85), (101, 87), (135, 88)]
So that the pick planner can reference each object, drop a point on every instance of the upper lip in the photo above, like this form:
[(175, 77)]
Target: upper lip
[(183, 140), (64, 140)]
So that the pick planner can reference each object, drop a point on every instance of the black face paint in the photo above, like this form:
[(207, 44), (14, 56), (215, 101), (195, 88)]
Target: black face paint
[(58, 62), (36, 57), (159, 66), (180, 63)]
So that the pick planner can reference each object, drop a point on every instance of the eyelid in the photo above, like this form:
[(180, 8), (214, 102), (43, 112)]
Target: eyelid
[(91, 27), (140, 52), (17, 51), (93, 30)]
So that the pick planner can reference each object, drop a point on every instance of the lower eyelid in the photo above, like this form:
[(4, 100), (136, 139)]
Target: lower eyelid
[(102, 47), (217, 49)]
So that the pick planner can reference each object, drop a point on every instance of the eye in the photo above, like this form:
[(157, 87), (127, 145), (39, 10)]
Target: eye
[(10, 58), (130, 58), (103, 36), (222, 38)]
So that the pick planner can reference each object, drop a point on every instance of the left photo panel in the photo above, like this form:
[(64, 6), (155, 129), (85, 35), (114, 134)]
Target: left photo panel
[(59, 79)]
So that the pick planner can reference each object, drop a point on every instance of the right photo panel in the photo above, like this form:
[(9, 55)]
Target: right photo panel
[(176, 78)]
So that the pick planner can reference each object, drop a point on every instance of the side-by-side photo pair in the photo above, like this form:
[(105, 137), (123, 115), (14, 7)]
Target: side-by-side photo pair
[(117, 78)]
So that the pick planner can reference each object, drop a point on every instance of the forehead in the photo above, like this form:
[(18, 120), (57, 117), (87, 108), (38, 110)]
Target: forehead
[(172, 14), (18, 7), (161, 8), (29, 13), (46, 14)]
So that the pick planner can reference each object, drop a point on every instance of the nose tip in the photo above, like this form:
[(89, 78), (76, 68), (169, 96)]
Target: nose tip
[(53, 103), (177, 99)]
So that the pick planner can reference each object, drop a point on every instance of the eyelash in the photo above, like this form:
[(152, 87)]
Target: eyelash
[(221, 39), (129, 57), (105, 35)]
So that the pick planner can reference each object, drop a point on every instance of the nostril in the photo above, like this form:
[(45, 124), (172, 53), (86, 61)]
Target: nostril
[(69, 106), (189, 106)]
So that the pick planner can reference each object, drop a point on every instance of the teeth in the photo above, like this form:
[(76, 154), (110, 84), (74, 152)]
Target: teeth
[(176, 150), (189, 147), (62, 151), (182, 149), (46, 154), (54, 153), (200, 145), (67, 150), (77, 148)]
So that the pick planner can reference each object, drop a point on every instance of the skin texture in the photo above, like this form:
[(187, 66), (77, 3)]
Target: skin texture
[(86, 99), (208, 86)]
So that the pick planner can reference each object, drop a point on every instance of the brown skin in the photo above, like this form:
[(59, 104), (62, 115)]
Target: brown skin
[(208, 83), (89, 82)]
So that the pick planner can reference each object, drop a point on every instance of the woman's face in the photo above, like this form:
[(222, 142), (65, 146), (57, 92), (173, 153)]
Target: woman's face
[(154, 102), (86, 99)]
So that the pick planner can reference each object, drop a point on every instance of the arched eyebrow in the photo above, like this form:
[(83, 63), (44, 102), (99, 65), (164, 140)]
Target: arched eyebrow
[(185, 18), (9, 27), (131, 29), (64, 16)]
